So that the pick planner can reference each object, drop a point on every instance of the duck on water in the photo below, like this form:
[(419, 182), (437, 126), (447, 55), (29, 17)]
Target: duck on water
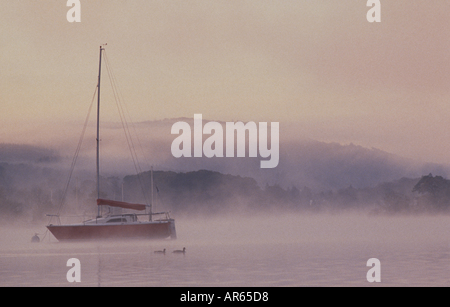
[(180, 251)]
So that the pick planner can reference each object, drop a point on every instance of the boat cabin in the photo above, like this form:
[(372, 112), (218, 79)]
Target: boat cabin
[(113, 219)]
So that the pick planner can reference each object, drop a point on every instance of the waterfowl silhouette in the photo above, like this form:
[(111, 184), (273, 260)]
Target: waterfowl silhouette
[(180, 251), (160, 252)]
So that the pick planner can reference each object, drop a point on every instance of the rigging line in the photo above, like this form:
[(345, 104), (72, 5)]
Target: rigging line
[(128, 136), (77, 151), (126, 113), (121, 107), (136, 135), (122, 116), (138, 139), (125, 127)]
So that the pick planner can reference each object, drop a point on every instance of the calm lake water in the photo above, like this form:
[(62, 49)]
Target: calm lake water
[(280, 250)]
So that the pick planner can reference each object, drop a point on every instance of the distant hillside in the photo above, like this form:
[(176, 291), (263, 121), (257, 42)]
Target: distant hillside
[(196, 191), (310, 175), (323, 166), (213, 192), (302, 162), (31, 192), (27, 153)]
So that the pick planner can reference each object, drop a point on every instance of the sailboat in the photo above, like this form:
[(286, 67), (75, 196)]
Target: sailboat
[(116, 226)]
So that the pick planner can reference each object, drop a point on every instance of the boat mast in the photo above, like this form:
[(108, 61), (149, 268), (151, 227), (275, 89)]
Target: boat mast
[(98, 128), (151, 201)]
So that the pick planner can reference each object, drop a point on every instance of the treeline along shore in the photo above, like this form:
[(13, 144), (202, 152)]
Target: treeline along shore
[(30, 192)]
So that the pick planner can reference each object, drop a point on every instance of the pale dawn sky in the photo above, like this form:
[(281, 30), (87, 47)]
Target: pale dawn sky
[(317, 65)]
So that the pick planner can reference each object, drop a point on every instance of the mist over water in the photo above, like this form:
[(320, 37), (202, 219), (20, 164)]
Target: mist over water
[(243, 250)]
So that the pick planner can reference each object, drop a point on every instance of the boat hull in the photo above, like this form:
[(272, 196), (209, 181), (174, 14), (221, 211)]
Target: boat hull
[(144, 230)]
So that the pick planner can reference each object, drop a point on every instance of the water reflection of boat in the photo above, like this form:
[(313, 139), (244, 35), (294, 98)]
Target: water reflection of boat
[(113, 226)]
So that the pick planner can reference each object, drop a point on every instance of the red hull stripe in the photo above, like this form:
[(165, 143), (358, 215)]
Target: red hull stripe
[(88, 232)]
